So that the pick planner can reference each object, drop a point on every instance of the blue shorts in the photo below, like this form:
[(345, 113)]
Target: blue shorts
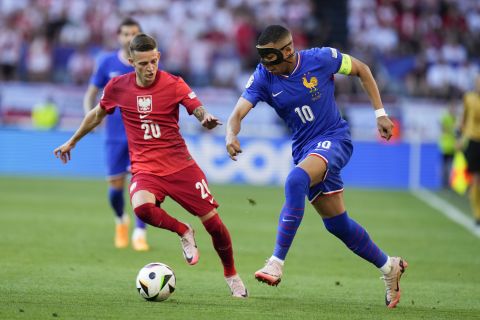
[(336, 153), (116, 155)]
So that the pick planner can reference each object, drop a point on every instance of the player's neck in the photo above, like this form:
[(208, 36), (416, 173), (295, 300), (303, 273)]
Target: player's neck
[(292, 66), (145, 83)]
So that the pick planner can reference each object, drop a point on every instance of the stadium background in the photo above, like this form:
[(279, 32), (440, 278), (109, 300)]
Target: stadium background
[(424, 55), (57, 259)]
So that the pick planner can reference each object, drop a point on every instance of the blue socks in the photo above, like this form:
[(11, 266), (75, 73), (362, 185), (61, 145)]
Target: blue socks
[(355, 238), (139, 223), (116, 201), (350, 232), (115, 196), (296, 187)]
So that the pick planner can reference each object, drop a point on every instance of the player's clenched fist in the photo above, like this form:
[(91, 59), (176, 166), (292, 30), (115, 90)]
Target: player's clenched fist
[(385, 127), (233, 146)]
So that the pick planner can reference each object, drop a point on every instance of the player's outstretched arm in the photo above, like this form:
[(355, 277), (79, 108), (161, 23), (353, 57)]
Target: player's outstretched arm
[(361, 70), (92, 119), (207, 120), (242, 108)]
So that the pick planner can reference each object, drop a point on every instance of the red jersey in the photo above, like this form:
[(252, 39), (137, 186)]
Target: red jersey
[(150, 115)]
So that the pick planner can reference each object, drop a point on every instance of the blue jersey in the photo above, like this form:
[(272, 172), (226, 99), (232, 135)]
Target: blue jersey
[(108, 66), (305, 98)]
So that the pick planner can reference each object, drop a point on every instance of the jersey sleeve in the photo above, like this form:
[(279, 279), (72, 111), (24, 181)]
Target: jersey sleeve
[(99, 76), (333, 60), (186, 96), (107, 102), (255, 89)]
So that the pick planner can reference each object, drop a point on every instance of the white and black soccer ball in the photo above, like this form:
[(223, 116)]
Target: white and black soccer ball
[(156, 281)]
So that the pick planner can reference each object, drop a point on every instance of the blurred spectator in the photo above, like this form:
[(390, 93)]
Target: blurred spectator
[(80, 65), (415, 81), (441, 35), (447, 140), (45, 115), (452, 51), (439, 77), (174, 55), (245, 37), (39, 59), (10, 46)]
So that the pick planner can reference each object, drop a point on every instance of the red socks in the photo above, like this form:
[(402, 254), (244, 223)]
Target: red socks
[(222, 243), (157, 217)]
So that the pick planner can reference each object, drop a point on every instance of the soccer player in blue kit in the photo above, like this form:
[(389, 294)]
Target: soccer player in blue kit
[(300, 87), (110, 65)]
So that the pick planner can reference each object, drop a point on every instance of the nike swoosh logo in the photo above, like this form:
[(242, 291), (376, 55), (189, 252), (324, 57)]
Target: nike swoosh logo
[(402, 270), (189, 259), (142, 116), (276, 94), (287, 220)]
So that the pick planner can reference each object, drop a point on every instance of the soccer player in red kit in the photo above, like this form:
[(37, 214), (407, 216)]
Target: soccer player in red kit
[(161, 164)]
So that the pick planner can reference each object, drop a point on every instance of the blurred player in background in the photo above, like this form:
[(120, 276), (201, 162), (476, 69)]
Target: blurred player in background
[(470, 128), (161, 164), (300, 87), (116, 148)]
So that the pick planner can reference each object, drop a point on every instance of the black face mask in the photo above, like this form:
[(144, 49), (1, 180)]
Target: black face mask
[(265, 52)]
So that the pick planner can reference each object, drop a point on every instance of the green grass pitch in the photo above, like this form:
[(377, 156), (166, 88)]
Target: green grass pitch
[(57, 259)]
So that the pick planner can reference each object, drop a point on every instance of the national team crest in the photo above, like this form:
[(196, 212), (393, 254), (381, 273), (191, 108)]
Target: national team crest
[(144, 104), (311, 84)]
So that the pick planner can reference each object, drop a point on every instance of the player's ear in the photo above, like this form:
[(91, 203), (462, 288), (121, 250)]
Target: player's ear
[(130, 58), (159, 55)]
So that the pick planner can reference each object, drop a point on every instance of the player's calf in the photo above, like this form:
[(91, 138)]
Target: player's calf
[(222, 243)]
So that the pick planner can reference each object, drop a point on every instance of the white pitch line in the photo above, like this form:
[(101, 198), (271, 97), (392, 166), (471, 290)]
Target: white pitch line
[(447, 210)]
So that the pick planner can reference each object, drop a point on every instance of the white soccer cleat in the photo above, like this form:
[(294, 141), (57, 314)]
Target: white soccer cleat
[(236, 286), (271, 273), (392, 281), (189, 246)]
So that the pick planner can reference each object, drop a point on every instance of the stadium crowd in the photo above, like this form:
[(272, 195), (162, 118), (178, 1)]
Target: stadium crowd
[(420, 48), (423, 48)]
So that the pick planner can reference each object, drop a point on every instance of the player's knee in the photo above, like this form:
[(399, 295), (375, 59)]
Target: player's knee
[(209, 215), (297, 179), (213, 224), (145, 212), (117, 183), (337, 226), (336, 230)]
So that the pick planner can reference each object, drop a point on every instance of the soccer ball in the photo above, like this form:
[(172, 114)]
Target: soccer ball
[(156, 281)]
